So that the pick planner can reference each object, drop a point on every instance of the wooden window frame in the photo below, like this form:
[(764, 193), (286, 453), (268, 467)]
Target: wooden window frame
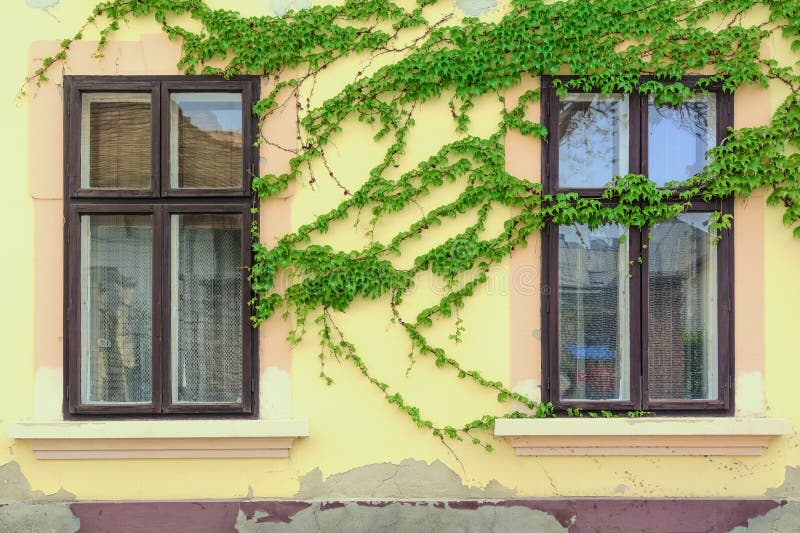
[(639, 387), (160, 202)]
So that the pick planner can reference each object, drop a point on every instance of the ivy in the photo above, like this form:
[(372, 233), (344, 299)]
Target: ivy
[(607, 45)]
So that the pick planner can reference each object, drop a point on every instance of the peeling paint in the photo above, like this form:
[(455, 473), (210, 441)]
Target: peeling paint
[(783, 518), (590, 515), (408, 516), (273, 511), (387, 481)]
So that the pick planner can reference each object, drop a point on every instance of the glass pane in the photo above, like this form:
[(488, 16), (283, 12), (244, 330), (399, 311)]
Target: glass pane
[(205, 140), (116, 308), (115, 141), (592, 139), (206, 308), (593, 315), (682, 310), (678, 138)]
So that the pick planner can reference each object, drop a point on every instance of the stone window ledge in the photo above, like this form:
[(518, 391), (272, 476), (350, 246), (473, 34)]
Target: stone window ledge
[(134, 439), (641, 436)]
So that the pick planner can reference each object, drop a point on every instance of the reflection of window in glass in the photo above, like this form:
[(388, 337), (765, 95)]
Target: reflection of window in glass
[(116, 313), (593, 139), (206, 308), (205, 140), (593, 313), (679, 137)]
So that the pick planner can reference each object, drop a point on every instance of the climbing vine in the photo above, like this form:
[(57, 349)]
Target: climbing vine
[(412, 54)]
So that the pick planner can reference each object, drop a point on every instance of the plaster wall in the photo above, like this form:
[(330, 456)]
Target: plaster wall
[(359, 447)]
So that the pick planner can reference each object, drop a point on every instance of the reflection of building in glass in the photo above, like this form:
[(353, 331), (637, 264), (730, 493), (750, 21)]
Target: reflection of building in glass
[(592, 323), (681, 311)]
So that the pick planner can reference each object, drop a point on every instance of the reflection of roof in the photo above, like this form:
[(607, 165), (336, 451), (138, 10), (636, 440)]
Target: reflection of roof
[(597, 353)]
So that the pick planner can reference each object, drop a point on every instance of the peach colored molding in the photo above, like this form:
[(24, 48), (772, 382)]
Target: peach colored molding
[(275, 221), (656, 436), (523, 159), (144, 439), (751, 109), (151, 55)]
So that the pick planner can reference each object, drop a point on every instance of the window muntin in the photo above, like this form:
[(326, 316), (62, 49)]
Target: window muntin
[(163, 321), (678, 366)]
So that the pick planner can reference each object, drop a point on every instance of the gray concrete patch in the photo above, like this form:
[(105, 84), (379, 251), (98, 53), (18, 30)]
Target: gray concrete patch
[(790, 488), (38, 518), (782, 519), (281, 7), (41, 4), (409, 479), (477, 8), (408, 516), (14, 487)]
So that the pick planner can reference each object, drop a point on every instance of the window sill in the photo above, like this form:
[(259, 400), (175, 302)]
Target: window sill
[(641, 436), (137, 439)]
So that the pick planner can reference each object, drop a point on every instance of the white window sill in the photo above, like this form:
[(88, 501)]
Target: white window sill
[(134, 439), (641, 436)]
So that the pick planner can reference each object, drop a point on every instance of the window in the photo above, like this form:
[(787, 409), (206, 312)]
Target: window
[(635, 319), (158, 208)]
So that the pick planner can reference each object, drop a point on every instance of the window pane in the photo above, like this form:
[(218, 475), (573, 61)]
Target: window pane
[(116, 308), (593, 315), (682, 310), (678, 138), (205, 140), (115, 141), (592, 139), (207, 308)]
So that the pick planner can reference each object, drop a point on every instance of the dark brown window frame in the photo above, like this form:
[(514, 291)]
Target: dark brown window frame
[(160, 201), (638, 120)]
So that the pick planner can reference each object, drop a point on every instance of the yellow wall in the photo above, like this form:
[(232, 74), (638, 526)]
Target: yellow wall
[(351, 426)]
